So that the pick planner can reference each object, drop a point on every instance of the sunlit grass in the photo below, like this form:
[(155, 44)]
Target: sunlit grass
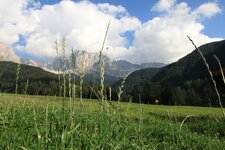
[(92, 104), (36, 122)]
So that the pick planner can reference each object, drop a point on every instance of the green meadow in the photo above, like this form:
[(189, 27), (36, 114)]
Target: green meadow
[(41, 122)]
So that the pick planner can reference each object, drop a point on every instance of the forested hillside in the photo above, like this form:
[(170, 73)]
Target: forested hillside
[(40, 82), (185, 82)]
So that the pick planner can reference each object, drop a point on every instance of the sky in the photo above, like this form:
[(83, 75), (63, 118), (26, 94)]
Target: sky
[(140, 30)]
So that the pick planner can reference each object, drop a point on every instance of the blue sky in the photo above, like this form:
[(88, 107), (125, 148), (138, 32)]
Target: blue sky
[(140, 31), (142, 10)]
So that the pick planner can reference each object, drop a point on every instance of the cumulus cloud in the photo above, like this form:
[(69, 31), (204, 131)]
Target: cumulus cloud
[(83, 29), (163, 5), (208, 10), (112, 10), (15, 19), (163, 38)]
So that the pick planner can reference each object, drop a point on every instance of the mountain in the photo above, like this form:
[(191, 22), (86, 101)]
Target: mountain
[(185, 82), (8, 54), (121, 68), (81, 58), (40, 82), (135, 78), (113, 68), (191, 66)]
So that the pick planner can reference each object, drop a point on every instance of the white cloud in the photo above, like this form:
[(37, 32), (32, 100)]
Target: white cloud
[(83, 29), (208, 10), (163, 39), (163, 5), (112, 10), (15, 19)]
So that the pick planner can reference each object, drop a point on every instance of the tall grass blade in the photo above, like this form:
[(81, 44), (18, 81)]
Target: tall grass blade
[(74, 76), (64, 76), (64, 65), (221, 68), (102, 69), (26, 87), (17, 76), (121, 88), (81, 69), (58, 67)]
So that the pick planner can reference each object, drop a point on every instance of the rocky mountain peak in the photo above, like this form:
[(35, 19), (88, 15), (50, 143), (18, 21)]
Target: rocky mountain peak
[(8, 54), (86, 59)]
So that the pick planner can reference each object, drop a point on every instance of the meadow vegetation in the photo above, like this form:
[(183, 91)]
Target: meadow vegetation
[(40, 122)]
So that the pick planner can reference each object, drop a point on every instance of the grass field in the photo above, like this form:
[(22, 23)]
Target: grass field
[(40, 122)]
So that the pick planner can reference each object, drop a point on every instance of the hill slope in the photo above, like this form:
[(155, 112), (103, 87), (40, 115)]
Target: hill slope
[(134, 80), (41, 82), (185, 82), (38, 79), (191, 66)]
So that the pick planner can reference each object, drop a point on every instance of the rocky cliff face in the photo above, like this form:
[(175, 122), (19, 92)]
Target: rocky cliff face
[(81, 59), (115, 68), (7, 54), (86, 59), (121, 68)]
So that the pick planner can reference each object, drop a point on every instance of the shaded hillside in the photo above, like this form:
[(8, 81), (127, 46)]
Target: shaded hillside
[(191, 67), (40, 82), (141, 75), (38, 79), (94, 77), (135, 80), (185, 82)]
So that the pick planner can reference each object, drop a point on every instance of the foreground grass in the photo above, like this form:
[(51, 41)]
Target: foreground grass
[(37, 122)]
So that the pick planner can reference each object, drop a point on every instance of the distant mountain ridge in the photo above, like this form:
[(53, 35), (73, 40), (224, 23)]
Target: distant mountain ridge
[(121, 68), (114, 68)]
